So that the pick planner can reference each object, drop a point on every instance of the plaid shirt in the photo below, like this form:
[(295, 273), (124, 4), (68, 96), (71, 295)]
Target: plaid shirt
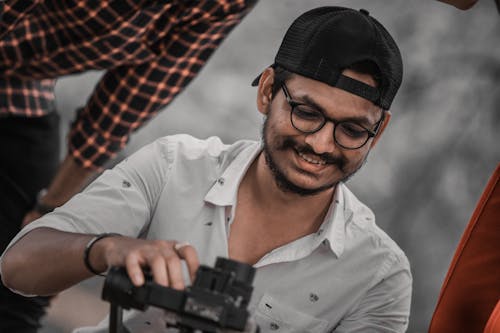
[(150, 49)]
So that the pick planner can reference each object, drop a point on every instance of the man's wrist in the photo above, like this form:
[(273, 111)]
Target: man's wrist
[(94, 244)]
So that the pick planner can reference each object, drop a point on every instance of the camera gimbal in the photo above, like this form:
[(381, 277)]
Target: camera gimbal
[(217, 299)]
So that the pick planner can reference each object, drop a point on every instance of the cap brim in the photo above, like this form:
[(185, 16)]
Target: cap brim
[(255, 82), (349, 84)]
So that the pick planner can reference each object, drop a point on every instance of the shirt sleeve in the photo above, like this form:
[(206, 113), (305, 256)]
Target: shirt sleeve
[(12, 12), (128, 96), (386, 306), (121, 200)]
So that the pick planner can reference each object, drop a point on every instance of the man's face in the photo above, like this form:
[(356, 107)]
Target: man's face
[(307, 164)]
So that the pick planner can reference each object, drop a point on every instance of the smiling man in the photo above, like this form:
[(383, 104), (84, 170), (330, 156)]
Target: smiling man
[(357, 123), (280, 204)]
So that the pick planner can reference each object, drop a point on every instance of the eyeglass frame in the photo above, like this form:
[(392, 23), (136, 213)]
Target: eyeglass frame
[(293, 104)]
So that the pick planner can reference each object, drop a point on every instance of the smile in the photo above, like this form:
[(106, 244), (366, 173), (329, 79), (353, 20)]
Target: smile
[(310, 160)]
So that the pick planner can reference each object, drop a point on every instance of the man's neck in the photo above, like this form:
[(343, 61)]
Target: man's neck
[(266, 217)]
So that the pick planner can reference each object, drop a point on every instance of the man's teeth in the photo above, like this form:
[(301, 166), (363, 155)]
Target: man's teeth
[(310, 160)]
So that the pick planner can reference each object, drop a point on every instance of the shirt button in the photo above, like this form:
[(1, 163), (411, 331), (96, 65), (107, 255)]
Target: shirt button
[(274, 326), (221, 181)]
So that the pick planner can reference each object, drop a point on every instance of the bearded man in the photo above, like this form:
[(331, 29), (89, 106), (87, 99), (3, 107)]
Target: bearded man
[(279, 204)]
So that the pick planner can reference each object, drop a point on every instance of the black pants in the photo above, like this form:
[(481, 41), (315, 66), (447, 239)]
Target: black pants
[(29, 157)]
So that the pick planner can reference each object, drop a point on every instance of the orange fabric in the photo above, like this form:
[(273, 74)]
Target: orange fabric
[(461, 4), (493, 325), (472, 286)]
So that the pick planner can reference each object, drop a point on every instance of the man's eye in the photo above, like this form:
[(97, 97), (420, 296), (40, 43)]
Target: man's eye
[(307, 114), (352, 130)]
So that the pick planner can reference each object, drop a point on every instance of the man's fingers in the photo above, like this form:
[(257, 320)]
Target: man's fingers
[(175, 273), (163, 258), (158, 267), (188, 253), (134, 270)]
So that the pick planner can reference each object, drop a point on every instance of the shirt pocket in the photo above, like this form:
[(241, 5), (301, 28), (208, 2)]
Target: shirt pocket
[(273, 316)]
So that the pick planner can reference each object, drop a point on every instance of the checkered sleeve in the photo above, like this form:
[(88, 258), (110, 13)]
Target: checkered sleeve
[(127, 96), (13, 11)]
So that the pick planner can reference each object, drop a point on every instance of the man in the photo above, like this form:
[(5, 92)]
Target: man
[(150, 50), (280, 204)]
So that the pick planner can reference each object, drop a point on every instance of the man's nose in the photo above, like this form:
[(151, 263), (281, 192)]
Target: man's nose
[(322, 141)]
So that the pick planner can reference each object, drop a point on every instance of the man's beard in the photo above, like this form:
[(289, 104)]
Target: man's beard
[(281, 179)]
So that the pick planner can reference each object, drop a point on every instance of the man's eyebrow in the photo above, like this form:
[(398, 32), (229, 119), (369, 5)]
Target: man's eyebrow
[(363, 120)]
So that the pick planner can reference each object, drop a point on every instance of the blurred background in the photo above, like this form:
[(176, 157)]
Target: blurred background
[(423, 179)]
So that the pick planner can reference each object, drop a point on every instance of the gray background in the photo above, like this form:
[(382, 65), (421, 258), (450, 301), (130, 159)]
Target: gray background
[(423, 179)]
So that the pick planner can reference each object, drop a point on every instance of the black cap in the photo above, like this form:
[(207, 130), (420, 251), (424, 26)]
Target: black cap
[(324, 41)]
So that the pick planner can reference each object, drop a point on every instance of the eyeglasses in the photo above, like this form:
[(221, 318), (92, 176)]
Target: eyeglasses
[(347, 134)]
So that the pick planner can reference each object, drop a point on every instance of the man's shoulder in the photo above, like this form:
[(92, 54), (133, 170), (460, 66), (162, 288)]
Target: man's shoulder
[(185, 146), (362, 225)]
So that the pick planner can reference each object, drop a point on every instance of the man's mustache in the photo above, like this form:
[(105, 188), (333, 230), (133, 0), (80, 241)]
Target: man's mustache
[(306, 149)]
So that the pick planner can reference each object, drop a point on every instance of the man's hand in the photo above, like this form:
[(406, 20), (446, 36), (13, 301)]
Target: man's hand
[(30, 217), (163, 258)]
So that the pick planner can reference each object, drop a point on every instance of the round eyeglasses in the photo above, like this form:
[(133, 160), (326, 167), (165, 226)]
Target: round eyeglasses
[(347, 134)]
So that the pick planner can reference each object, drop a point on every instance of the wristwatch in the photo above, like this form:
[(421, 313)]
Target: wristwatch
[(40, 207)]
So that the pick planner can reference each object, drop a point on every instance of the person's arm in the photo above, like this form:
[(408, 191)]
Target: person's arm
[(385, 308), (11, 12), (42, 260), (22, 271), (129, 95), (29, 257)]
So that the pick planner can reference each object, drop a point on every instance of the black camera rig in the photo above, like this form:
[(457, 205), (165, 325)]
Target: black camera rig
[(217, 299)]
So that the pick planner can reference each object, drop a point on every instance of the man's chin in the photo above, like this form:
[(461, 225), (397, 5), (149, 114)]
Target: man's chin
[(286, 185)]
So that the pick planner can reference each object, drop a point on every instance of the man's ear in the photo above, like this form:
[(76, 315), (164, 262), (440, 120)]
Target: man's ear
[(265, 90), (387, 118)]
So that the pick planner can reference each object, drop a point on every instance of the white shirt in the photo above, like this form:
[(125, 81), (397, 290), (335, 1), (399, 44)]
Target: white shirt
[(347, 277)]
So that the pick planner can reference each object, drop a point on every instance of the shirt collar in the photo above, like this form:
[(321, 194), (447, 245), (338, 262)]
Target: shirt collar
[(334, 225), (224, 190)]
